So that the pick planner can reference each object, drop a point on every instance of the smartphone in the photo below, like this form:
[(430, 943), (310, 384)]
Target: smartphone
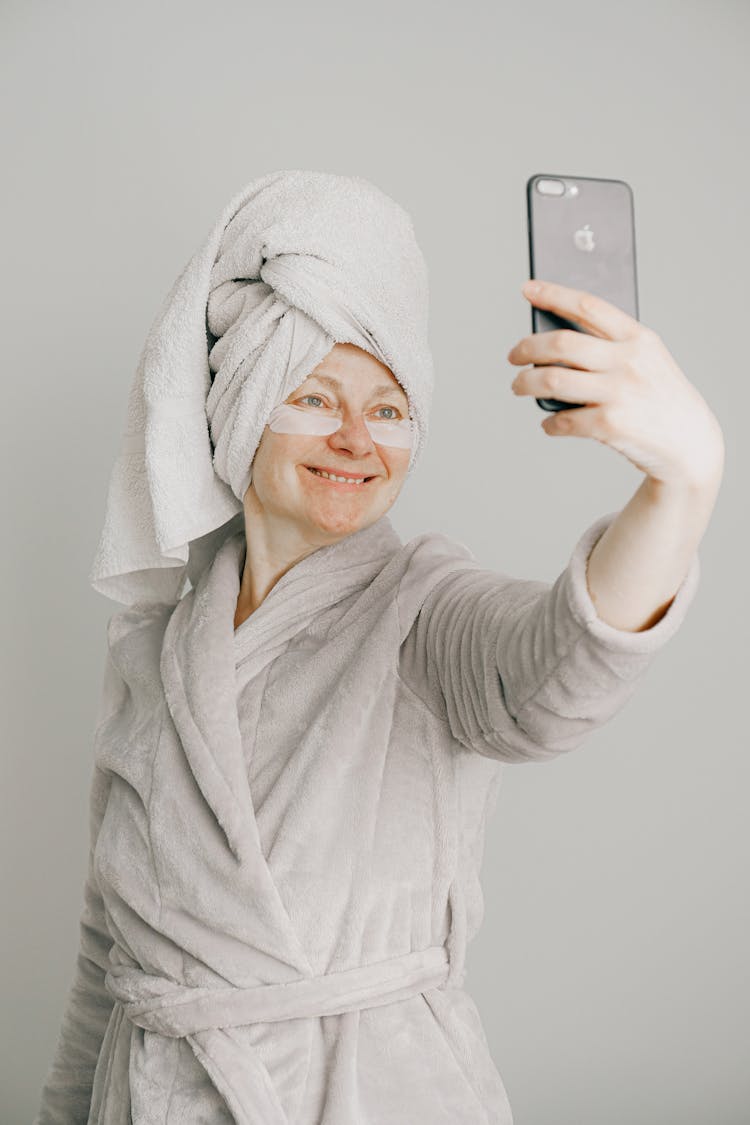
[(581, 234)]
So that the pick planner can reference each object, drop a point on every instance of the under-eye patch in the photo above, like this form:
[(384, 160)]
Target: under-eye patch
[(288, 418)]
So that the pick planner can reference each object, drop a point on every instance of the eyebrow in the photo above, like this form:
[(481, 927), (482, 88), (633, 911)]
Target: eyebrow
[(384, 388)]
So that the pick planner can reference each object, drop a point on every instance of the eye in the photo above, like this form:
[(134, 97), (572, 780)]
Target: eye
[(394, 416)]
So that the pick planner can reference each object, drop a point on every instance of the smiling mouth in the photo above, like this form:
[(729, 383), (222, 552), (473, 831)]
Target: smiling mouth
[(350, 483)]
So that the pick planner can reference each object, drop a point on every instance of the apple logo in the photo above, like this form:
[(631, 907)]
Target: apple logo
[(584, 238)]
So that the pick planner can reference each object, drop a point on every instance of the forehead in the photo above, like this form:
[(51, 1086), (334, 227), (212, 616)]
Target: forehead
[(355, 379), (348, 367)]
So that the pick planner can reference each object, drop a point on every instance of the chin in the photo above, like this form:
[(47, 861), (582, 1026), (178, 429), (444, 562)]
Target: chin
[(342, 523)]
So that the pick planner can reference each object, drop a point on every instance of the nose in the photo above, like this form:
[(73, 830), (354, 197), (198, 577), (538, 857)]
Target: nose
[(353, 436)]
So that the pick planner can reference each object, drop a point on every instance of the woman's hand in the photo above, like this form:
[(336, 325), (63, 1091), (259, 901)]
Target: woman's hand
[(639, 401)]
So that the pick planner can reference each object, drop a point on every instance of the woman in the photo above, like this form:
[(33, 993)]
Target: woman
[(295, 760)]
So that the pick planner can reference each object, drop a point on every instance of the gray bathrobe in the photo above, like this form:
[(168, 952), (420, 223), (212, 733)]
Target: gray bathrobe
[(287, 827)]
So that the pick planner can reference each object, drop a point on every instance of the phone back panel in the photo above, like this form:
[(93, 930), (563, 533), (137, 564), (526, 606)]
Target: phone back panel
[(584, 239)]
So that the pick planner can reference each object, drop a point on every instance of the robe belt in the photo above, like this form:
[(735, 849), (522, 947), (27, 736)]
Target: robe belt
[(158, 1004)]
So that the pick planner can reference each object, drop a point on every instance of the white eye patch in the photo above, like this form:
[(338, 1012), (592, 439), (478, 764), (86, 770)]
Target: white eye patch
[(288, 418)]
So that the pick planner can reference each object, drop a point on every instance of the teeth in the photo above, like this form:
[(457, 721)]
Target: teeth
[(341, 480)]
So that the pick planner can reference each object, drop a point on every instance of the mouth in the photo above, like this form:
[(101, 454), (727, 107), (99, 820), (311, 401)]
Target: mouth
[(347, 485)]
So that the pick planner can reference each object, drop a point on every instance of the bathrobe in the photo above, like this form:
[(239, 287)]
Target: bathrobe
[(287, 827)]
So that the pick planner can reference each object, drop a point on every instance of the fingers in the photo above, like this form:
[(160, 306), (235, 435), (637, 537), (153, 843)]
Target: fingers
[(564, 345), (593, 313), (564, 383)]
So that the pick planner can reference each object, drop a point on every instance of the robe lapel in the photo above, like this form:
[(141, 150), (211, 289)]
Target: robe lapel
[(201, 648), (322, 579), (197, 671)]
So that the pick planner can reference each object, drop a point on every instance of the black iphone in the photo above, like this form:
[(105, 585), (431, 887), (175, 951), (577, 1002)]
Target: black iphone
[(581, 234)]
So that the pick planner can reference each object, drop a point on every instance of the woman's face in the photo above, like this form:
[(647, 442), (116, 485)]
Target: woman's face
[(354, 383)]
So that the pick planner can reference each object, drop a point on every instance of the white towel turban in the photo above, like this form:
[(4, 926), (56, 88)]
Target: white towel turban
[(297, 262)]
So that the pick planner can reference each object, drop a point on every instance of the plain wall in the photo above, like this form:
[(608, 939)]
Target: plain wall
[(611, 971)]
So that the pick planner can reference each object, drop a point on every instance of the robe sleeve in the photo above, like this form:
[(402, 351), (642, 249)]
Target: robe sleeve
[(66, 1094), (522, 670)]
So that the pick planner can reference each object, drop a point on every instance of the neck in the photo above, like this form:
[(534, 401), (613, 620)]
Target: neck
[(274, 545)]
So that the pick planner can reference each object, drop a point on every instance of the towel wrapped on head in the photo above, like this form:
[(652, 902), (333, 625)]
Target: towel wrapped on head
[(297, 262)]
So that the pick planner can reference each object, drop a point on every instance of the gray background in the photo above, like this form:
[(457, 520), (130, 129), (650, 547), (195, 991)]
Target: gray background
[(611, 971)]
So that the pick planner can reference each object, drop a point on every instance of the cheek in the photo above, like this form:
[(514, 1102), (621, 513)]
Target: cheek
[(265, 467), (277, 461), (274, 457), (395, 460)]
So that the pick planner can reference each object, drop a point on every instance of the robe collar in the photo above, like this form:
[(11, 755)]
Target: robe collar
[(321, 579), (201, 649)]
